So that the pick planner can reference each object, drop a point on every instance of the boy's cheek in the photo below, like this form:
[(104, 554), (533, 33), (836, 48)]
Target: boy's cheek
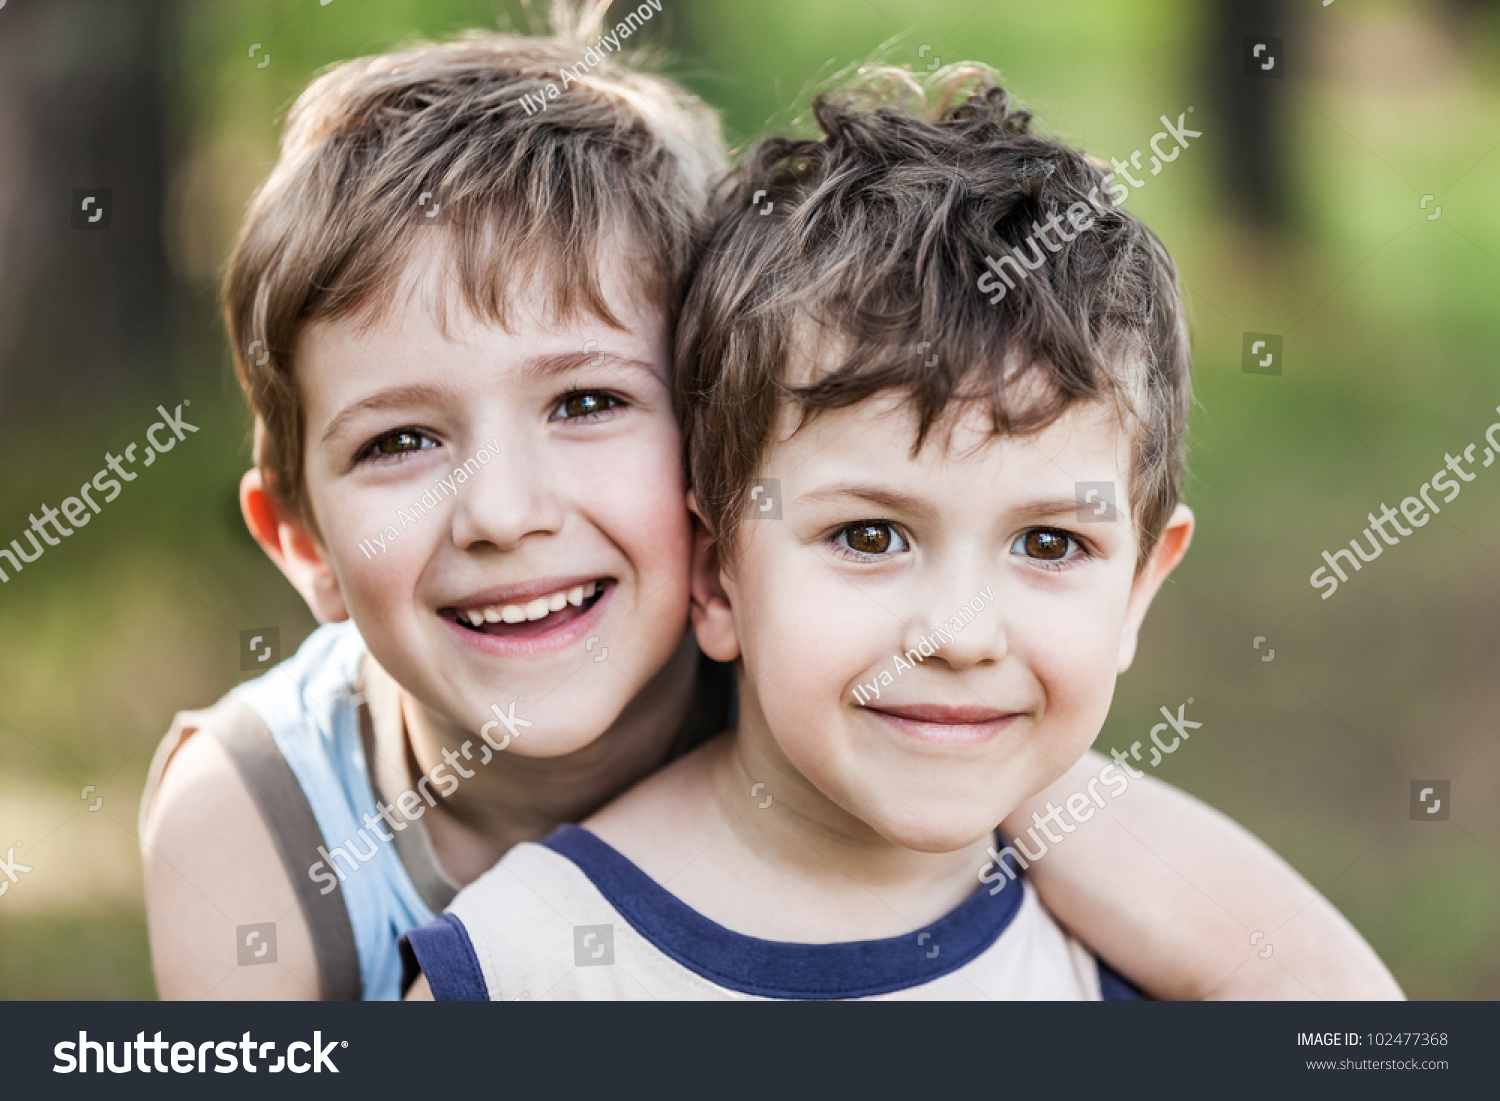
[(647, 456), (377, 577), (1070, 641), (1077, 687), (818, 638), (637, 494)]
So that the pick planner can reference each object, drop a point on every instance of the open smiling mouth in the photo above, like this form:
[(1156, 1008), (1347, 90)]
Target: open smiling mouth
[(532, 618)]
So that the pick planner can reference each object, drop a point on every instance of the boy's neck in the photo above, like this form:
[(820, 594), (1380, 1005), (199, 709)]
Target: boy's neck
[(874, 887), (737, 833), (515, 798)]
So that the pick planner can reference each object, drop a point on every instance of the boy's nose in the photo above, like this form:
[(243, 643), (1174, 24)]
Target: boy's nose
[(958, 625), (507, 500)]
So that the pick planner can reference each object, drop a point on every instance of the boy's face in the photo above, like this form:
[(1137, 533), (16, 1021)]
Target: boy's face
[(565, 534), (875, 550)]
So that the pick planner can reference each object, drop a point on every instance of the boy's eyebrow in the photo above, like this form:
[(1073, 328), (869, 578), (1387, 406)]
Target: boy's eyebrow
[(1048, 506), (393, 397), (875, 494), (1041, 508), (560, 362)]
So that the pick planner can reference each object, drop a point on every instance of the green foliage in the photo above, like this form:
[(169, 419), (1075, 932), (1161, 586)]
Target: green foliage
[(1390, 335)]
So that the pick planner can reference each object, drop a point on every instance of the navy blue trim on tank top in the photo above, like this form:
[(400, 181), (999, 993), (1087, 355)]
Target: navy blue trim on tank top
[(775, 969), (1114, 987), (444, 953)]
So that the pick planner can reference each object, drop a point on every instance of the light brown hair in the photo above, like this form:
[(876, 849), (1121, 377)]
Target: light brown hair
[(877, 235), (540, 188)]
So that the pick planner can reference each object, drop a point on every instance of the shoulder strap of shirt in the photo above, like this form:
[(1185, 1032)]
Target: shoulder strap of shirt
[(288, 815), (285, 810)]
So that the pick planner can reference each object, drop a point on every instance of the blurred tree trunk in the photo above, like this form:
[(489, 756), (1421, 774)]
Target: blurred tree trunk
[(1254, 162), (83, 310)]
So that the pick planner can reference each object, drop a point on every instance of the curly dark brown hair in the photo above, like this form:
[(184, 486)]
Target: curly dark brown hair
[(877, 238)]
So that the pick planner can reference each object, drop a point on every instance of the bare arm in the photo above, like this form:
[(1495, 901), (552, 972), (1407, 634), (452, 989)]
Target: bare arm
[(211, 867), (1172, 893)]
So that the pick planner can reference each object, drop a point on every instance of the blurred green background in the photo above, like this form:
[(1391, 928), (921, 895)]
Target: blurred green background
[(1298, 212)]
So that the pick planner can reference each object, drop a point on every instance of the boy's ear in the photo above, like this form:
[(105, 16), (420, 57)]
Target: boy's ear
[(1170, 548), (284, 537), (713, 618)]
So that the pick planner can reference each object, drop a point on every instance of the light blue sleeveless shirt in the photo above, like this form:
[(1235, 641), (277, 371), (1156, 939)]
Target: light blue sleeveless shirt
[(310, 703), (315, 712)]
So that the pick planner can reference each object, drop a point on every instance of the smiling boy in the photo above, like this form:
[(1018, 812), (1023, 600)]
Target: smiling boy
[(436, 288), (830, 845)]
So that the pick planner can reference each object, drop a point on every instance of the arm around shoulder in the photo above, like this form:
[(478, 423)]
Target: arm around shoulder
[(212, 868), (1188, 904)]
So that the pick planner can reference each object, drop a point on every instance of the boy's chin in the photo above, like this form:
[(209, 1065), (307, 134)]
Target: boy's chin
[(557, 728), (554, 743), (937, 829)]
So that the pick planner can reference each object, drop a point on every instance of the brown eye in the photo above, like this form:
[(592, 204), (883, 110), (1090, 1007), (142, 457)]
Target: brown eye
[(584, 403), (399, 443), (1048, 545), (872, 537)]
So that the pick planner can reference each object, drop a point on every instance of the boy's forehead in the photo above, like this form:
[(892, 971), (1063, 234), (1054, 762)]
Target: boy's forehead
[(520, 298), (425, 327), (874, 440)]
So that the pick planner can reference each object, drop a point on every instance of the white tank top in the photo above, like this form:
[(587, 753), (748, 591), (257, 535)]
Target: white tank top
[(572, 918)]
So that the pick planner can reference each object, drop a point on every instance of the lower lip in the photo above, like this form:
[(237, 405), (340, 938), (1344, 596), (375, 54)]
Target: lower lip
[(570, 633), (930, 733)]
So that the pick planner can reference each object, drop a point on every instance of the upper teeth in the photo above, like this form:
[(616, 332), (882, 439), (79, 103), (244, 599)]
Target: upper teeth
[(536, 609)]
